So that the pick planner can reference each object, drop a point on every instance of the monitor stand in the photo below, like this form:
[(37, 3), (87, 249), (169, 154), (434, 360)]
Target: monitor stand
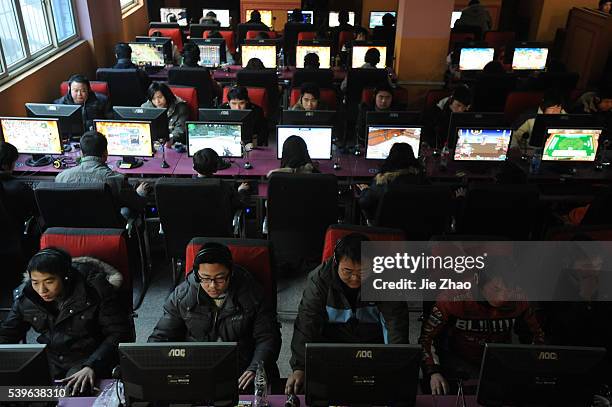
[(39, 160), (129, 163)]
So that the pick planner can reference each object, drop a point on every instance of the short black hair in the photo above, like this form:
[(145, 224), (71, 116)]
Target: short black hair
[(164, 89), (8, 155), (462, 94), (388, 20), (206, 161), (383, 87), (93, 144), (552, 97), (372, 56), (311, 60), (51, 260), (156, 33), (191, 54), (78, 78), (350, 247), (255, 16), (312, 88), (211, 14), (493, 67), (213, 253), (343, 16), (360, 30), (171, 18), (123, 50), (238, 93), (255, 64)]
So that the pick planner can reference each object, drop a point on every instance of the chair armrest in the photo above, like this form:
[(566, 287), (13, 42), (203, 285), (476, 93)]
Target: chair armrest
[(238, 223)]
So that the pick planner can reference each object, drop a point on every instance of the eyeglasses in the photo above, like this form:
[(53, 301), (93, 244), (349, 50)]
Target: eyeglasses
[(349, 274), (215, 281)]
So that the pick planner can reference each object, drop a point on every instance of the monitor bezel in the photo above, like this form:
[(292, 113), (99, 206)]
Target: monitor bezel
[(128, 121), (456, 137), (391, 126), (39, 119), (234, 123), (601, 129), (279, 147)]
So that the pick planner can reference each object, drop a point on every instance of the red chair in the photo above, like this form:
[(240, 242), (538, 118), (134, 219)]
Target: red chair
[(258, 96), (174, 33), (400, 95), (328, 96), (251, 35), (499, 39), (459, 37), (338, 231), (519, 102), (96, 86), (229, 38), (252, 254), (189, 95), (344, 37), (435, 95), (306, 36)]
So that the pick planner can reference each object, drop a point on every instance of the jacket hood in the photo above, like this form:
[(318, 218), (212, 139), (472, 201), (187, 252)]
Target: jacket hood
[(389, 177), (442, 103), (95, 266), (307, 168)]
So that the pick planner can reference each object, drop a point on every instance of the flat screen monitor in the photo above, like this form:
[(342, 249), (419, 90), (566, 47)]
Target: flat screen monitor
[(24, 365), (212, 51), (148, 54), (128, 139), (377, 16), (456, 15), (181, 372), (382, 137), (335, 22), (223, 137), (302, 117), (165, 41), (39, 137), (324, 53), (393, 117), (70, 117), (471, 120), (266, 53), (170, 15), (536, 375), (558, 121), (307, 16), (482, 144), (223, 16), (318, 139), (359, 51), (232, 116), (475, 59), (576, 145), (266, 16), (361, 374), (529, 59), (156, 116)]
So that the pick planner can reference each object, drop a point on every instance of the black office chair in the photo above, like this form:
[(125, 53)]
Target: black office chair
[(12, 258), (198, 78), (565, 82), (300, 208), (322, 77), (492, 90), (126, 86), (262, 79)]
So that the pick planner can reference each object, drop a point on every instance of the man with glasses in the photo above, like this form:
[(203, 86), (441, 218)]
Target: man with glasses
[(221, 302), (332, 311)]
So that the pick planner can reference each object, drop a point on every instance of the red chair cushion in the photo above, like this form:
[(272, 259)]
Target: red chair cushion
[(499, 39), (174, 33), (228, 36), (338, 231), (344, 37), (258, 96), (327, 95), (519, 102), (189, 95), (96, 86), (306, 36)]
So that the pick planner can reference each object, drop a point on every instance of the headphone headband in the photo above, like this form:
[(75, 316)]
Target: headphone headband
[(52, 251), (221, 251)]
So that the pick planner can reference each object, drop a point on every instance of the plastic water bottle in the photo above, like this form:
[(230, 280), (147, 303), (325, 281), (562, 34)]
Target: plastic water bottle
[(280, 63), (261, 386), (536, 161), (444, 156)]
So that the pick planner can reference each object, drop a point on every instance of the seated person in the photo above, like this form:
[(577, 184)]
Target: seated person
[(176, 55), (475, 15), (221, 302), (383, 101), (229, 58), (605, 6), (159, 95), (343, 25), (599, 104), (386, 33), (210, 19), (254, 64), (262, 35), (93, 168), (331, 310), (493, 67), (400, 167), (81, 337), (238, 98), (437, 119), (255, 19), (361, 34), (16, 196), (310, 98), (96, 105), (191, 59), (123, 54), (311, 61), (371, 59), (464, 319), (295, 158)]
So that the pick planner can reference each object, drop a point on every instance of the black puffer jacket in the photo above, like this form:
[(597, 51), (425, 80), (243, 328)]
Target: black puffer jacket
[(86, 326), (246, 317), (97, 106)]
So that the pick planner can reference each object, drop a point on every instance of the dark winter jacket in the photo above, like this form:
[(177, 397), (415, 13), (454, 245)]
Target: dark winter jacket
[(258, 122), (178, 114), (436, 121), (97, 106), (476, 15)]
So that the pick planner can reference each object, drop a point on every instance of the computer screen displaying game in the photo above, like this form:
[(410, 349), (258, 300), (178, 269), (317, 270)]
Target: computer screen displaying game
[(318, 140), (32, 136), (333, 18), (359, 52), (266, 16), (127, 138), (178, 15), (571, 145), (147, 54), (529, 59), (306, 14), (224, 138), (482, 144), (267, 54), (475, 59), (223, 16), (210, 55), (324, 54), (376, 17), (456, 15), (382, 138)]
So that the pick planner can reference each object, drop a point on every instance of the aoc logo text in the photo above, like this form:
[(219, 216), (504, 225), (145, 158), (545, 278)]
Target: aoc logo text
[(176, 353)]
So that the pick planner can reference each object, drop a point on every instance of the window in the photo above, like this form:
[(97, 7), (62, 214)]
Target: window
[(125, 4)]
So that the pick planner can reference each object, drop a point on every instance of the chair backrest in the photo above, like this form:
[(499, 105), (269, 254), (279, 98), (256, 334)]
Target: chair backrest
[(125, 85), (243, 28), (261, 79), (499, 39), (518, 103), (258, 96), (322, 77), (198, 30), (491, 91), (421, 211), (357, 79), (96, 86), (252, 34), (198, 78), (254, 255), (328, 96), (339, 230), (229, 37), (458, 37), (306, 36), (189, 208), (344, 37), (190, 95), (96, 208), (174, 33), (564, 81), (435, 95)]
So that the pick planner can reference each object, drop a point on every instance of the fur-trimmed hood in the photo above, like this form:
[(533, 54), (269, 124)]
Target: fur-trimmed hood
[(304, 169), (388, 177), (93, 266)]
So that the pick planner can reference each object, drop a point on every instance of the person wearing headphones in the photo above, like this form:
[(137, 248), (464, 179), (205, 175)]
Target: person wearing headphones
[(220, 301), (95, 105), (310, 98), (331, 310), (73, 305)]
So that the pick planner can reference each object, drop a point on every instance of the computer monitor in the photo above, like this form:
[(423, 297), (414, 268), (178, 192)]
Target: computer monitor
[(24, 365), (231, 116), (39, 137), (475, 59), (335, 22), (393, 117), (559, 121), (529, 59), (178, 15), (471, 120), (266, 53), (318, 139), (323, 51), (223, 137), (482, 144), (306, 117), (128, 139), (361, 374), (200, 373), (212, 51), (575, 145), (359, 51), (266, 16), (223, 16), (382, 137), (456, 15), (146, 54), (536, 375), (70, 117), (165, 41), (376, 17), (306, 14), (156, 116)]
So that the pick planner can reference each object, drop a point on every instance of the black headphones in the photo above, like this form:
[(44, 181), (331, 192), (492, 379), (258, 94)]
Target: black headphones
[(61, 255), (64, 162), (78, 78), (221, 251)]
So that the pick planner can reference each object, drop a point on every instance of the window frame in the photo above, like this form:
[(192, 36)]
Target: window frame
[(127, 7)]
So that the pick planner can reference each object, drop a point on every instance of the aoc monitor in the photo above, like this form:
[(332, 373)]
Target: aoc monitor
[(172, 15), (223, 137), (529, 58), (318, 139), (36, 136), (382, 137), (165, 41), (304, 117), (156, 116), (359, 50), (128, 139), (335, 22), (475, 59), (266, 53), (559, 121), (212, 51), (70, 117), (471, 119), (323, 51), (24, 365), (482, 144), (148, 54), (575, 145), (376, 18)]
